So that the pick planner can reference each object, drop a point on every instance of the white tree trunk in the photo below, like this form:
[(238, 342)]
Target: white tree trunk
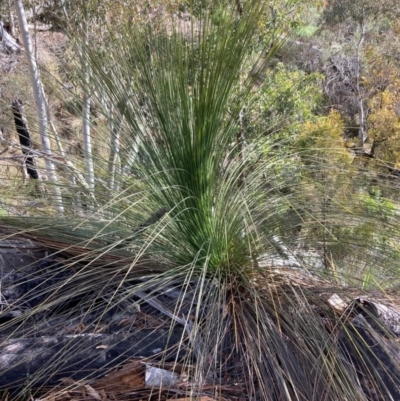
[(87, 140), (39, 100), (361, 107), (114, 161)]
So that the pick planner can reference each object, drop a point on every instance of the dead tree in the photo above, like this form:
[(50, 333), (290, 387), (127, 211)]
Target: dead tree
[(8, 43), (21, 126)]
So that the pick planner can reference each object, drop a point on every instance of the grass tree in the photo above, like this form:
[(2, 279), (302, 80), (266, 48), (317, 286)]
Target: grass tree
[(185, 220)]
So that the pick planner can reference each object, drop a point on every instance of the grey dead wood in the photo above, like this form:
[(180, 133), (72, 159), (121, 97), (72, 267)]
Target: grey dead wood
[(7, 42), (370, 341), (369, 351), (21, 125), (36, 359), (46, 360)]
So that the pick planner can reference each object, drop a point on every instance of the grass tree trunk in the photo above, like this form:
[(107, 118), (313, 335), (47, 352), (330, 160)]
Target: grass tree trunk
[(39, 100)]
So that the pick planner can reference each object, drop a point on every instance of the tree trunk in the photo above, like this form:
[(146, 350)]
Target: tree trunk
[(87, 140), (361, 108), (39, 100), (114, 161), (21, 126)]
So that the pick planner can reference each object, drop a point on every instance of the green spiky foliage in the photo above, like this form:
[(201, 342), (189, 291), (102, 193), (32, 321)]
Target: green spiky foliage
[(226, 224)]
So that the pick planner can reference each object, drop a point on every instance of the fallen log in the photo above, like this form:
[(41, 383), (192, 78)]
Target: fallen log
[(384, 319), (9, 43), (27, 275), (369, 351), (46, 360)]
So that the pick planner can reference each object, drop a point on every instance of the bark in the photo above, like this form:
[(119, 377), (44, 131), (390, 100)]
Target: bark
[(21, 126), (38, 93)]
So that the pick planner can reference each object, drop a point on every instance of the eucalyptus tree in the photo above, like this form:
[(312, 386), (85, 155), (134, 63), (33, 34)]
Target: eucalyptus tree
[(40, 101), (84, 23), (79, 16), (91, 24)]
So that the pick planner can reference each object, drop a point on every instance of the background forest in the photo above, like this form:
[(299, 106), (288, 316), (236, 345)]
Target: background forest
[(244, 153)]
